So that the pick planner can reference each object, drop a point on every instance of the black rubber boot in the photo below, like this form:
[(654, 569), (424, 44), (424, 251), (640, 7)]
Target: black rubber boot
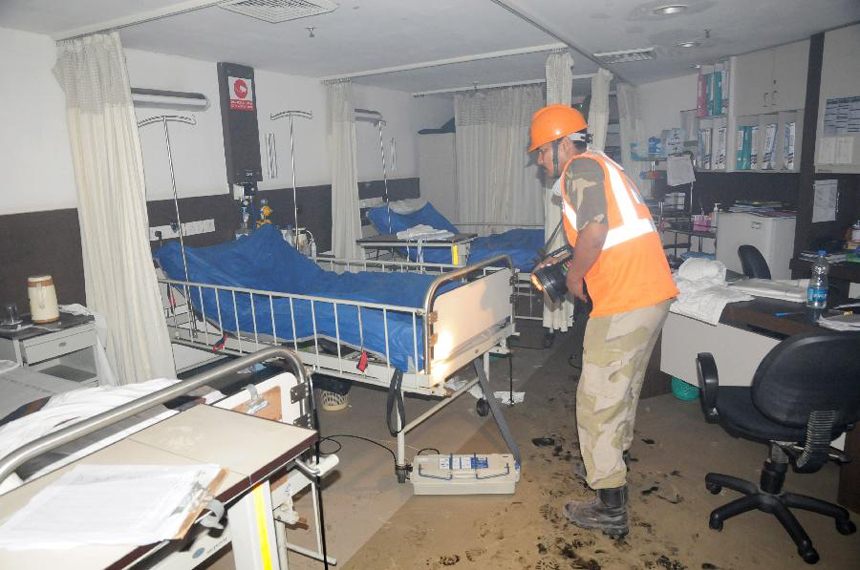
[(579, 466), (606, 512)]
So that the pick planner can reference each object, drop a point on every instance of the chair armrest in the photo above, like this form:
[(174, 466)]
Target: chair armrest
[(709, 385)]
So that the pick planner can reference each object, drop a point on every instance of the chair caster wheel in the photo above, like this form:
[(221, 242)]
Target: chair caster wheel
[(483, 407), (810, 555), (715, 524), (401, 473), (847, 527), (714, 488)]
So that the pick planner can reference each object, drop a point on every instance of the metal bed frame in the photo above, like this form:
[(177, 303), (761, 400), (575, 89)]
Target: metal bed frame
[(450, 338), (308, 474)]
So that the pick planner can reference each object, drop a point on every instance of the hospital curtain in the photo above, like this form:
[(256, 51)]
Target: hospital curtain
[(630, 122), (496, 182), (598, 112), (345, 213), (118, 270), (559, 83)]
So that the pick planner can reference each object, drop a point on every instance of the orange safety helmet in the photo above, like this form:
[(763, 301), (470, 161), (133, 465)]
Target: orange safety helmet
[(553, 122)]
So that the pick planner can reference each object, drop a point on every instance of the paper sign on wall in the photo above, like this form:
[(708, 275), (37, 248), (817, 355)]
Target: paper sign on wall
[(241, 93), (826, 200)]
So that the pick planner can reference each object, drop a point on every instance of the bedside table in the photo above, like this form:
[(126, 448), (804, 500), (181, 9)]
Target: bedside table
[(64, 349)]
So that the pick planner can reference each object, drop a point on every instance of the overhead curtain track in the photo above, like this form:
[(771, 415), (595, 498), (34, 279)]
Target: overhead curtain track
[(522, 13), (139, 18), (494, 86), (446, 61)]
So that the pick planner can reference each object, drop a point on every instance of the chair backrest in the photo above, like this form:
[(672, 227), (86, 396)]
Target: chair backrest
[(753, 262), (814, 371)]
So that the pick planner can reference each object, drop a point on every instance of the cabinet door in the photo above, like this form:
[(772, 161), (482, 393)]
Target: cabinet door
[(753, 82), (790, 63)]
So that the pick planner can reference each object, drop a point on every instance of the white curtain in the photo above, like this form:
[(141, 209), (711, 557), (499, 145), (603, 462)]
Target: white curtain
[(345, 213), (559, 83), (496, 182), (120, 280), (632, 130), (598, 112)]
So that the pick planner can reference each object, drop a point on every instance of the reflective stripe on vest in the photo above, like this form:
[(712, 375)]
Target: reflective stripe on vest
[(632, 226)]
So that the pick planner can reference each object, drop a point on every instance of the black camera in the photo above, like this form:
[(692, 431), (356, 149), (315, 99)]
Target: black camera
[(552, 279)]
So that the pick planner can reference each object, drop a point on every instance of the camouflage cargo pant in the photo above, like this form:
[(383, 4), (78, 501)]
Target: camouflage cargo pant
[(616, 351)]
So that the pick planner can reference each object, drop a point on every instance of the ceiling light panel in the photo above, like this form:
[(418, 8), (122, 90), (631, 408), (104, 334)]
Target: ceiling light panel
[(277, 11), (624, 56), (669, 9)]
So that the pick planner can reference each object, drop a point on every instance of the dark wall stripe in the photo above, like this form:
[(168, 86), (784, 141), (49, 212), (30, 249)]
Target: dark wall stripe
[(41, 243)]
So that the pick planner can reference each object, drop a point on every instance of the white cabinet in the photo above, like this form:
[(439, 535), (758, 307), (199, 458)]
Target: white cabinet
[(772, 236), (790, 65), (67, 351), (771, 80), (753, 83)]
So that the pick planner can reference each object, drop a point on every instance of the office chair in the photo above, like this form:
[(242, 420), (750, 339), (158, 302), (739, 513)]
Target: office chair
[(753, 262), (804, 394)]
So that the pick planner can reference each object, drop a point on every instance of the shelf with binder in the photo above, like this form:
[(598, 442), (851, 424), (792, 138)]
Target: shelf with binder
[(767, 142), (712, 145)]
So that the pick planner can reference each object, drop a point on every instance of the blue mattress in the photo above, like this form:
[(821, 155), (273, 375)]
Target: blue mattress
[(521, 245), (265, 261)]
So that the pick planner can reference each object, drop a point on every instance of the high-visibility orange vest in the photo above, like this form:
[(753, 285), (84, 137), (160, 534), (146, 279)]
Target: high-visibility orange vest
[(631, 271)]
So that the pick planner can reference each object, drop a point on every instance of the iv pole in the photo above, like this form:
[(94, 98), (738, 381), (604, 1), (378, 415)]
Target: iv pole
[(376, 117), (302, 115), (164, 119)]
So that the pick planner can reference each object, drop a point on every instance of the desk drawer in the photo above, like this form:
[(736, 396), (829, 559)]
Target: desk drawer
[(55, 345)]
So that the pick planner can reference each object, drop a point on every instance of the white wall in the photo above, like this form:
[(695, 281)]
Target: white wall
[(35, 158), (34, 146), (198, 150), (661, 102)]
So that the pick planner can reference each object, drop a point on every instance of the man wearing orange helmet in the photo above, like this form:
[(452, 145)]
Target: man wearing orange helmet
[(619, 255)]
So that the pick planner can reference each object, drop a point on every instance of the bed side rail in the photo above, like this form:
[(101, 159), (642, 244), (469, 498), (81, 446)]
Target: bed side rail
[(60, 437), (390, 265)]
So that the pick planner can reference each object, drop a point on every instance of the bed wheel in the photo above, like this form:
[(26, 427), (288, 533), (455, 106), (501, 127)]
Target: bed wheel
[(401, 473), (483, 407)]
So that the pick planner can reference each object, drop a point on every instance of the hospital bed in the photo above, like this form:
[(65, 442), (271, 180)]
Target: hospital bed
[(395, 325), (522, 244), (256, 493)]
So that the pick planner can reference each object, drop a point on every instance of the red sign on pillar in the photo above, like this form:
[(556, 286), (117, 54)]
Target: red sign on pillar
[(241, 93)]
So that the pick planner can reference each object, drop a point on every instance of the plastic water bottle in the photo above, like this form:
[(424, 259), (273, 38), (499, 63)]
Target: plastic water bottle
[(816, 293)]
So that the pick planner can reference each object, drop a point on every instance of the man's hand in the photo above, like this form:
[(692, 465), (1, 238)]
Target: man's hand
[(576, 286), (547, 261)]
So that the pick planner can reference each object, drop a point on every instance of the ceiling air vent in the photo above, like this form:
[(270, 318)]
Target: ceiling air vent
[(624, 56), (277, 11)]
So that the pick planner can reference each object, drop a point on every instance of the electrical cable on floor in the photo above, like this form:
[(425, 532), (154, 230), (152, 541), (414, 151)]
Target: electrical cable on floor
[(428, 449), (318, 478), (332, 438)]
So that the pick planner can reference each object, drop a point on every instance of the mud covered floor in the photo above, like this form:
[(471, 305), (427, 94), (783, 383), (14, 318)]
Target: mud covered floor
[(669, 505)]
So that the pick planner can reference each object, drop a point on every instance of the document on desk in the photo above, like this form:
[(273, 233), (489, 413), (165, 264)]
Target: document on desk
[(112, 504)]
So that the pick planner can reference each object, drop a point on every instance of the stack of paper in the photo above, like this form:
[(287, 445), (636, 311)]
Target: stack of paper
[(793, 290), (112, 504), (849, 322)]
